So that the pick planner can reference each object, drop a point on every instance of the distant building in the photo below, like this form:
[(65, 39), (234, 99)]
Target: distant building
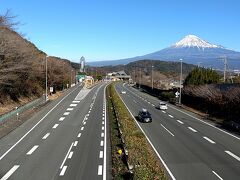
[(120, 75)]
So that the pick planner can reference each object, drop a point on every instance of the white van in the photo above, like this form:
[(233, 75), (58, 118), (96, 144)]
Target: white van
[(162, 106)]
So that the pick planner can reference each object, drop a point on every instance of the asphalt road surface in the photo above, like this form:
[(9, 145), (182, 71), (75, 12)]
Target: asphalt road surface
[(188, 147), (65, 140)]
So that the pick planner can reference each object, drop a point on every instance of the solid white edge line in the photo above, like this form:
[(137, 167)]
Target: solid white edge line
[(63, 171), (167, 130), (209, 140), (66, 156), (217, 175), (204, 122), (10, 172), (105, 137), (100, 170), (164, 164), (32, 150), (194, 130), (46, 136), (35, 125), (233, 155)]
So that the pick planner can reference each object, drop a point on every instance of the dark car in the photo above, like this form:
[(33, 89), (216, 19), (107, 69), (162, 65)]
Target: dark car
[(144, 116)]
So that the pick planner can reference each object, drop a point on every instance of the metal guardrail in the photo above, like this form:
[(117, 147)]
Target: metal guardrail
[(19, 110)]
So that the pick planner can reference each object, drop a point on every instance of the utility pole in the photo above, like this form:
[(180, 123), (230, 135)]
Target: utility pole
[(46, 96), (180, 83), (152, 76)]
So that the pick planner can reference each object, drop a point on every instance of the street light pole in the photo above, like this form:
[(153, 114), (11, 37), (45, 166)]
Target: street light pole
[(180, 83), (152, 76), (46, 96)]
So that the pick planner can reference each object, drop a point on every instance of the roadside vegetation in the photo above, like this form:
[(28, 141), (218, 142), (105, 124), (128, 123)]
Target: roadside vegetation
[(141, 157)]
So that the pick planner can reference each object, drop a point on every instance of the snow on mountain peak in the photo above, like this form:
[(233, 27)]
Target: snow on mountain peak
[(194, 41)]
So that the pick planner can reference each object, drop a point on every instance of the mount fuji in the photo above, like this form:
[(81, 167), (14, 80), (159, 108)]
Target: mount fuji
[(192, 50)]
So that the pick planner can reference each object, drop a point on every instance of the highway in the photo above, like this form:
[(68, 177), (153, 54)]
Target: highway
[(188, 147), (67, 139)]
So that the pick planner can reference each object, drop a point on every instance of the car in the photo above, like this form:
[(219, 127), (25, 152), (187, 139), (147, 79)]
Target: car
[(162, 106), (144, 116), (123, 92)]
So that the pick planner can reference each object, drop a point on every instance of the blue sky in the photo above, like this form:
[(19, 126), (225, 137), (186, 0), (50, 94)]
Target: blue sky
[(114, 29)]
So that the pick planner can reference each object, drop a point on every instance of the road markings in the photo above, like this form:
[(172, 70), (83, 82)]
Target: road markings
[(103, 118), (10, 172), (192, 129), (79, 135), (66, 156), (35, 126), (61, 118), (55, 126), (75, 101), (70, 155), (164, 112), (89, 112), (84, 122), (233, 155), (163, 162), (180, 122), (69, 109), (100, 170), (101, 154), (66, 113), (170, 116), (63, 170), (101, 143), (82, 128), (75, 143), (73, 105), (103, 128), (209, 140), (217, 175), (153, 105), (167, 130), (46, 136), (102, 134), (32, 150)]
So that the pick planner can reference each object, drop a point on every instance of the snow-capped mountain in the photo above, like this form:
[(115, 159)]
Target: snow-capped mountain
[(192, 50), (194, 41)]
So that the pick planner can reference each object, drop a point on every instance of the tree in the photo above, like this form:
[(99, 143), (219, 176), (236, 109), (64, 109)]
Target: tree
[(200, 76)]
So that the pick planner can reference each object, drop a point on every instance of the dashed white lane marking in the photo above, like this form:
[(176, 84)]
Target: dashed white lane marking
[(101, 154), (69, 109), (101, 143), (84, 122), (102, 134), (10, 172), (100, 170), (75, 101), (75, 143), (32, 150), (82, 128), (149, 102), (167, 130), (46, 136), (209, 140), (73, 105), (70, 155), (103, 128), (61, 118), (170, 116), (192, 129), (79, 135), (103, 114), (89, 112), (164, 111), (63, 170), (103, 118), (233, 155), (180, 122), (55, 126), (103, 122), (153, 105), (217, 175), (66, 156), (66, 113)]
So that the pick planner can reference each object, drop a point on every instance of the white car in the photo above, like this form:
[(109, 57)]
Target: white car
[(162, 106)]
